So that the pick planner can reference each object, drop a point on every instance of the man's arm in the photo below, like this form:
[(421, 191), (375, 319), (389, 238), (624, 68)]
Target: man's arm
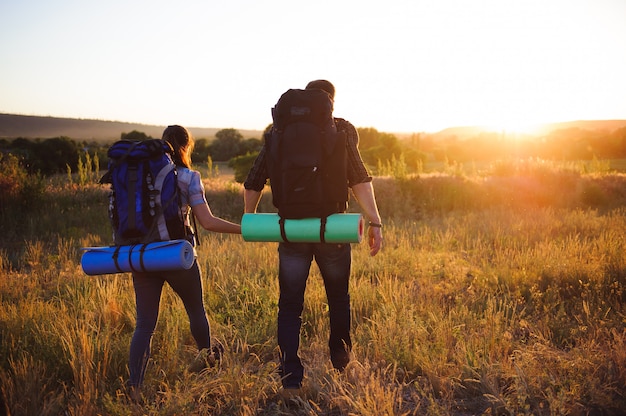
[(251, 200), (364, 194), (254, 183)]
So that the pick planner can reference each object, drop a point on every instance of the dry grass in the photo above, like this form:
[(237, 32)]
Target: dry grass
[(509, 307)]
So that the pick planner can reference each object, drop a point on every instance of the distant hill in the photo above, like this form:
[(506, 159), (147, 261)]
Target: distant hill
[(539, 130), (33, 127)]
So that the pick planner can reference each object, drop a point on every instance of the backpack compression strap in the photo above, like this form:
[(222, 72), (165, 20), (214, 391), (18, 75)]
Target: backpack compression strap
[(323, 221), (142, 266), (323, 228), (116, 255), (132, 187), (158, 184), (283, 234)]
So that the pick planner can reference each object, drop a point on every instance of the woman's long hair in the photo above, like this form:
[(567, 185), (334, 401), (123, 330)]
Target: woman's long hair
[(182, 142)]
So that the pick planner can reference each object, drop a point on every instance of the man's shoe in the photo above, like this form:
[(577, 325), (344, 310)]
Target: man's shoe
[(340, 359), (290, 393)]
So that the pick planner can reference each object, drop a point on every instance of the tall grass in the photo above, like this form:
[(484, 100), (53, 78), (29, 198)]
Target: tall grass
[(497, 293)]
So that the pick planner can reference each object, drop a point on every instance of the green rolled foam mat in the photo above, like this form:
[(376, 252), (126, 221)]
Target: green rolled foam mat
[(340, 228)]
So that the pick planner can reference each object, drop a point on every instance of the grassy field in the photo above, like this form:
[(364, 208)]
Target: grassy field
[(500, 293)]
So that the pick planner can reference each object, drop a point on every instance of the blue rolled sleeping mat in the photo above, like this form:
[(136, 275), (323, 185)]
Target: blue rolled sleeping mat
[(151, 257)]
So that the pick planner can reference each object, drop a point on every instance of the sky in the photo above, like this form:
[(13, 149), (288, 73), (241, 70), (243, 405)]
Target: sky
[(397, 65)]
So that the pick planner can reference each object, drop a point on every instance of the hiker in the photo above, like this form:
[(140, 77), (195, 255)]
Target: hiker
[(333, 260), (186, 283)]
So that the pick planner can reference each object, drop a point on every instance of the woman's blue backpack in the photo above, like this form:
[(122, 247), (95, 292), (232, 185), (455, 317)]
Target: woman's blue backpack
[(145, 202)]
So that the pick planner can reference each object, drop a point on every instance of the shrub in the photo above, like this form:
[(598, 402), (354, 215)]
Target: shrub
[(242, 165), (19, 191)]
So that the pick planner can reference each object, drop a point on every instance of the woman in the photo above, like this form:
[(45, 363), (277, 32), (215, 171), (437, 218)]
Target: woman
[(186, 283)]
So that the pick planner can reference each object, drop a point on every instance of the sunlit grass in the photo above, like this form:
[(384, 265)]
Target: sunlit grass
[(493, 295)]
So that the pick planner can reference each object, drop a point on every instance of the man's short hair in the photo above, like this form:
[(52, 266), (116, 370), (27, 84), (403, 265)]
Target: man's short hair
[(322, 84)]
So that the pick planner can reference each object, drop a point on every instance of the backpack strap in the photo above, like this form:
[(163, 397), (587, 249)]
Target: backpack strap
[(323, 221), (141, 252), (185, 177), (130, 258), (142, 266), (283, 234), (195, 228), (132, 187), (116, 255), (158, 184), (323, 228)]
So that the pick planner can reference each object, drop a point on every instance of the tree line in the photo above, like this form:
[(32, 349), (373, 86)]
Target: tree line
[(58, 154)]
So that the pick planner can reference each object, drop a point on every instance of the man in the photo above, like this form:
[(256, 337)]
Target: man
[(333, 260)]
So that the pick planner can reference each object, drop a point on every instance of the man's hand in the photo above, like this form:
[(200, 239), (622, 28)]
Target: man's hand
[(374, 239)]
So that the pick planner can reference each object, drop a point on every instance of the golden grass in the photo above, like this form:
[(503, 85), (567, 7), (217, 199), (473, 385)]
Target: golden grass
[(473, 307)]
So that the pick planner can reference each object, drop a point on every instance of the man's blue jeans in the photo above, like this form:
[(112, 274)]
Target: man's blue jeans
[(333, 261)]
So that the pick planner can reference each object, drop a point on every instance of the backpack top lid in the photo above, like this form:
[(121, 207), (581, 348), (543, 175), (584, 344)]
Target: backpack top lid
[(306, 156), (296, 105), (134, 150)]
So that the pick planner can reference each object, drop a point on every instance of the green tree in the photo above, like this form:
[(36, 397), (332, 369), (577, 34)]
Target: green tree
[(200, 151), (227, 144), (242, 165), (19, 192), (54, 155), (368, 137), (251, 145), (383, 147), (135, 135), (23, 149)]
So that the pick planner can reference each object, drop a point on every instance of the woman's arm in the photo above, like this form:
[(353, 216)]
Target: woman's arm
[(210, 222)]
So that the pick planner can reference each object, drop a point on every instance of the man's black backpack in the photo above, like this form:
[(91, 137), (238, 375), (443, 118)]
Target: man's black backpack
[(145, 200), (306, 156)]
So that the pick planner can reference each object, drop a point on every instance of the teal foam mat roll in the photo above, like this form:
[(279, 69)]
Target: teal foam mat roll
[(152, 257), (340, 228)]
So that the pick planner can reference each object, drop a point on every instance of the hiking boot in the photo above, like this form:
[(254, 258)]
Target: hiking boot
[(290, 393), (207, 359), (218, 351), (135, 396), (340, 359)]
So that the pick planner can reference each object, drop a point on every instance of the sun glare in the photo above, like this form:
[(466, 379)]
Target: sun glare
[(515, 128)]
